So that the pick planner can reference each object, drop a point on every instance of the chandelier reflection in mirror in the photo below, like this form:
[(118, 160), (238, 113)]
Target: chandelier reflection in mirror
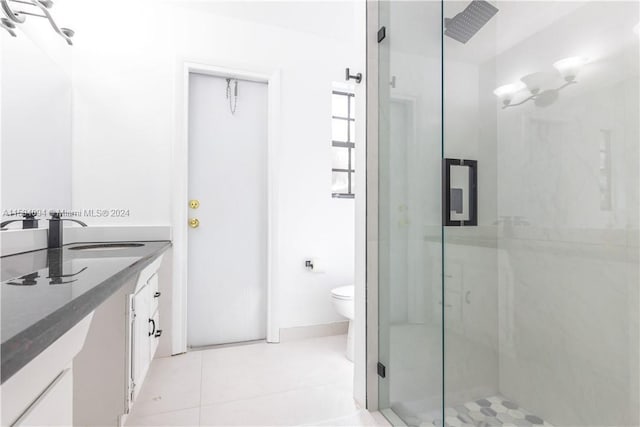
[(543, 87), (36, 8)]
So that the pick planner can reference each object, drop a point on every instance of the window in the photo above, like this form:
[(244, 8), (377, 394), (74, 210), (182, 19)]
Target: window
[(342, 144)]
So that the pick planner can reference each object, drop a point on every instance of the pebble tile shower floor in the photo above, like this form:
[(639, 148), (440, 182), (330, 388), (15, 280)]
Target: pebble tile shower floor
[(492, 411)]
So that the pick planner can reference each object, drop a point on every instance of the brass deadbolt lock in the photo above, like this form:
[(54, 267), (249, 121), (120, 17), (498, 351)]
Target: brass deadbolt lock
[(194, 222), (194, 204)]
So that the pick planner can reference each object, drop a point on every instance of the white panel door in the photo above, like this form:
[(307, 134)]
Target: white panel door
[(228, 176)]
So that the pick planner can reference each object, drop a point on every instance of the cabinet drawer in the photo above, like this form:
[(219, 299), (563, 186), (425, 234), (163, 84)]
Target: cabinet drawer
[(53, 407)]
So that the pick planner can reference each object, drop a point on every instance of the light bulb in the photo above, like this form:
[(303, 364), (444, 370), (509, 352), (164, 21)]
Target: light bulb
[(570, 67), (505, 92)]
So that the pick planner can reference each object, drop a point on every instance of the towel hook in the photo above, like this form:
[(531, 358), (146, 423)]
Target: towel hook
[(348, 76)]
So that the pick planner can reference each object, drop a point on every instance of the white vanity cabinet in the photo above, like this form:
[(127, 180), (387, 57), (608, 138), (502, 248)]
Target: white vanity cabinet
[(41, 393), (118, 351), (144, 328)]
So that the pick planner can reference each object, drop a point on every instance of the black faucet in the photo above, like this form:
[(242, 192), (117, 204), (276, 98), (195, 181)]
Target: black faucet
[(30, 279), (29, 221), (55, 229), (55, 264)]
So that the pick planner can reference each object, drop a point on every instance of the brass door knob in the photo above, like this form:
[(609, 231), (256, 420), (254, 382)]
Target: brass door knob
[(194, 222), (194, 204)]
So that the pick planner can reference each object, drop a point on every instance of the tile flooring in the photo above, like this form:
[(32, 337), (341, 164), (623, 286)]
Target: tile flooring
[(492, 411), (305, 382)]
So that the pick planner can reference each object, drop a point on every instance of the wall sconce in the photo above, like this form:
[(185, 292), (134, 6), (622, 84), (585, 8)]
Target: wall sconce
[(538, 81), (570, 67), (8, 26), (506, 92), (40, 10)]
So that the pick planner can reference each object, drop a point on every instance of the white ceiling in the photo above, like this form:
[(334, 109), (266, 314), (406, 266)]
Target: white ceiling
[(333, 19), (413, 25)]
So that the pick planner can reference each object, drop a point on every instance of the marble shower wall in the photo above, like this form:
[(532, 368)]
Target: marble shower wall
[(568, 210)]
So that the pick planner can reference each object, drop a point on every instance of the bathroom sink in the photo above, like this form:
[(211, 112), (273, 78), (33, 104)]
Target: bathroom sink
[(105, 246)]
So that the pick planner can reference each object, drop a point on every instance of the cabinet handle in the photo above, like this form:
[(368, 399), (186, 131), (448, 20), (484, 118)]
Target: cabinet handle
[(153, 331), (157, 294), (158, 333)]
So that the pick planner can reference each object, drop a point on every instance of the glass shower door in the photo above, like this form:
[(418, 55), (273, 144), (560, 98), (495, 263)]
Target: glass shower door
[(509, 213), (409, 211)]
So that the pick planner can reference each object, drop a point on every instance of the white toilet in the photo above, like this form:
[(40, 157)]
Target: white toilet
[(342, 299)]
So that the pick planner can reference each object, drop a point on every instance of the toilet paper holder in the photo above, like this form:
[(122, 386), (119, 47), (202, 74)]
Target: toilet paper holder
[(314, 265)]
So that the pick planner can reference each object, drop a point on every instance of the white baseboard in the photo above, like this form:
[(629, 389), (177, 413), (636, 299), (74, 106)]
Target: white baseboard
[(314, 331)]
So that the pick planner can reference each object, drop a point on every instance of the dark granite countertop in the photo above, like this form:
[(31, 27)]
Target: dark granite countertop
[(45, 293)]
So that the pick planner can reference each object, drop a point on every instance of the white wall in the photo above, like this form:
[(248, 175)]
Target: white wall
[(123, 111), (127, 77)]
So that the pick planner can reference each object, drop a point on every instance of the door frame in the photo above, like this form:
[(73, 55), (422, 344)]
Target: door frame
[(372, 187), (181, 195)]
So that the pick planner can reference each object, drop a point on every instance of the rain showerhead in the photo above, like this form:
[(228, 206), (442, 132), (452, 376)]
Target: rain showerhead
[(467, 23)]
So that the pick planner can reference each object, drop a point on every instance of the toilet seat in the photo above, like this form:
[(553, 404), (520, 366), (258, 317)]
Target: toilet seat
[(343, 292)]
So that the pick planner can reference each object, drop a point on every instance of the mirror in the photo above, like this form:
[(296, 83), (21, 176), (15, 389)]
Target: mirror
[(35, 122)]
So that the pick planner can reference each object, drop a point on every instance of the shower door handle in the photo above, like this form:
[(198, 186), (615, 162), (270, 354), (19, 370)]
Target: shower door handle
[(447, 191)]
